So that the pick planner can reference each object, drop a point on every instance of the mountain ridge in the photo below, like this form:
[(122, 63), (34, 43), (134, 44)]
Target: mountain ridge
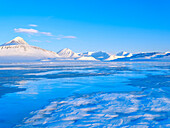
[(16, 41), (66, 52), (19, 48)]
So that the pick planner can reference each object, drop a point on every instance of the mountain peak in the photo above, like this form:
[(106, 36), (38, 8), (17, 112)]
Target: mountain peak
[(16, 41), (66, 49), (18, 38), (66, 52)]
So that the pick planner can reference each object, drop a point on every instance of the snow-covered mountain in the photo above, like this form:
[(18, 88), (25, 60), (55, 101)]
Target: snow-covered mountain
[(88, 58), (123, 53), (125, 56), (145, 56), (86, 54), (16, 41), (119, 55), (112, 57), (67, 53), (100, 55), (160, 55), (18, 49)]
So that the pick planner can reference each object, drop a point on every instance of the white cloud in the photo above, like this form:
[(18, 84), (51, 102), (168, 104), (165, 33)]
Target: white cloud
[(33, 25), (38, 41), (34, 31), (65, 37), (46, 33), (31, 31), (23, 30), (69, 37)]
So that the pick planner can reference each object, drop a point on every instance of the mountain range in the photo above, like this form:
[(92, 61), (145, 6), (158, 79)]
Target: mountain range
[(19, 50)]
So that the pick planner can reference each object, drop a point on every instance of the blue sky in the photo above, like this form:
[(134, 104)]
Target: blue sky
[(88, 25)]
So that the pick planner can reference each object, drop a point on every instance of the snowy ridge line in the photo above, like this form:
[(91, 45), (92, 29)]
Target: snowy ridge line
[(23, 46), (18, 50), (67, 53)]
